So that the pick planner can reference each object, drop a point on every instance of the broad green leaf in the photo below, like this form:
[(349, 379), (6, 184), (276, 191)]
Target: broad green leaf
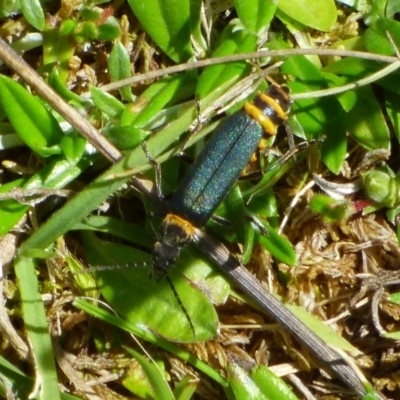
[(31, 120), (376, 40), (168, 24), (390, 82), (347, 99), (199, 272), (10, 210), (33, 12), (203, 275), (334, 147), (256, 15), (317, 14), (119, 66), (366, 123), (144, 301), (353, 67), (320, 116)]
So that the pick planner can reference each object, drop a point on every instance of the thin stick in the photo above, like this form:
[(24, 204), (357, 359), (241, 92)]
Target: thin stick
[(246, 56)]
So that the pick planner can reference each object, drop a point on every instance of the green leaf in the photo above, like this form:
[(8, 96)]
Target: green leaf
[(160, 94), (108, 32), (318, 14), (243, 386), (278, 246), (106, 103), (186, 388), (35, 125), (376, 40), (58, 47), (352, 67), (332, 210), (18, 382), (334, 147), (144, 301), (60, 87), (255, 15), (168, 24), (196, 25), (271, 385), (374, 10), (32, 10), (125, 137), (366, 123), (153, 373), (248, 243), (119, 66), (325, 332), (393, 111), (54, 176), (347, 99), (392, 7), (198, 272), (36, 327), (148, 336), (231, 41), (73, 147), (320, 116), (10, 210), (94, 194)]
